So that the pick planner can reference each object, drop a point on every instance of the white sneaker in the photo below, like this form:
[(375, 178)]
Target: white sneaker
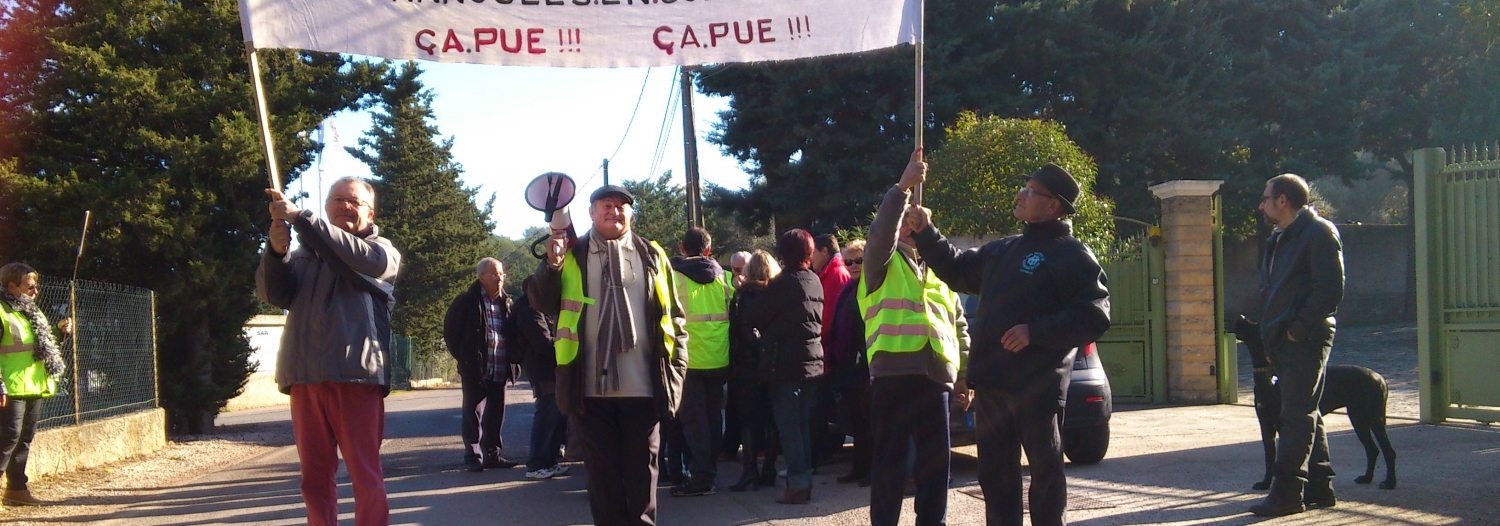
[(547, 473)]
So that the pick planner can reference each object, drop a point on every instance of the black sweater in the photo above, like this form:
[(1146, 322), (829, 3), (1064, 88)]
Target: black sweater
[(1044, 278)]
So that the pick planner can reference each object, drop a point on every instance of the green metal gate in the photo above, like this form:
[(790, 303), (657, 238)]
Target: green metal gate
[(1458, 281), (1134, 349)]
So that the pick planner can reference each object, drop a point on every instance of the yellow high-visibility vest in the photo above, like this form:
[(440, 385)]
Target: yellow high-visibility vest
[(570, 317), (707, 307), (24, 376), (907, 313)]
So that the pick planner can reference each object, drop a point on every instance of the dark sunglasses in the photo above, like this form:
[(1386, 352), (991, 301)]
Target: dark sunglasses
[(855, 261)]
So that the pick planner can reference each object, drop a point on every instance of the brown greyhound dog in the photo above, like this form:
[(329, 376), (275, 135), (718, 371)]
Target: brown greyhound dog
[(1362, 391)]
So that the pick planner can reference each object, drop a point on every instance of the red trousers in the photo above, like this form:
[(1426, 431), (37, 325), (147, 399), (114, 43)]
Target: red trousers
[(331, 418)]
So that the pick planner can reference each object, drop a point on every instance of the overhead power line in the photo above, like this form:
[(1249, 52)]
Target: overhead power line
[(628, 125), (664, 134)]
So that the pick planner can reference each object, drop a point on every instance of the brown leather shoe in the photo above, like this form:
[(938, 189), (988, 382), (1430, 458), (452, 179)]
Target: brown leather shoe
[(800, 496), (21, 498)]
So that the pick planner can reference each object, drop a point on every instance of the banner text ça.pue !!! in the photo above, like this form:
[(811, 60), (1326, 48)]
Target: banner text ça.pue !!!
[(669, 39)]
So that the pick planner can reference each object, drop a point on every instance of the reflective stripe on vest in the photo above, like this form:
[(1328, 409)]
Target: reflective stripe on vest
[(906, 314), (15, 323), (707, 311), (570, 316), (24, 376)]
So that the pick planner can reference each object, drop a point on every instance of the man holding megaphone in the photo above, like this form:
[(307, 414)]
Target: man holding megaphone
[(621, 350)]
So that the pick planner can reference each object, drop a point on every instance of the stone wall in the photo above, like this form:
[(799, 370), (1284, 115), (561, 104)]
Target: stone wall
[(1379, 287), (65, 449)]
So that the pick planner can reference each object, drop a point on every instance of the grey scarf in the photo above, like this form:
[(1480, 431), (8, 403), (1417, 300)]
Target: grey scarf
[(46, 346), (616, 325)]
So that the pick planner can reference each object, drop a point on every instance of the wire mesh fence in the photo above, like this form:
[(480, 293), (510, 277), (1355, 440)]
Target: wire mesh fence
[(113, 371), (413, 363)]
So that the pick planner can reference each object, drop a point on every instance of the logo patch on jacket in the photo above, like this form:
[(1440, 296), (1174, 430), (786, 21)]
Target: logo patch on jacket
[(1033, 260)]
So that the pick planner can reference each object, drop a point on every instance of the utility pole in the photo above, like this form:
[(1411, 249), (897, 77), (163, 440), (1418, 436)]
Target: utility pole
[(690, 152), (606, 172)]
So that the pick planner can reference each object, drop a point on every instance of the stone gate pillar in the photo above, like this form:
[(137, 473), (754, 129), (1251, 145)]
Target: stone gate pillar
[(1187, 225)]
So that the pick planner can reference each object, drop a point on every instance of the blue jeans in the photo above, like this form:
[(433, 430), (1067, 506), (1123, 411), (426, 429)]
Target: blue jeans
[(909, 409), (18, 419), (548, 431), (792, 405)]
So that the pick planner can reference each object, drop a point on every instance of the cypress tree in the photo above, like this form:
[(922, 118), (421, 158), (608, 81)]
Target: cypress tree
[(423, 209), (141, 111)]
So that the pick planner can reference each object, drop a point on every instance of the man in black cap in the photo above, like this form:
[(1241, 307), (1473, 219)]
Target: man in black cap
[(621, 352), (1041, 296)]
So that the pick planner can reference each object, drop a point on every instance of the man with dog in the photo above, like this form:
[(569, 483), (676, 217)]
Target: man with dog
[(1301, 283), (1041, 296)]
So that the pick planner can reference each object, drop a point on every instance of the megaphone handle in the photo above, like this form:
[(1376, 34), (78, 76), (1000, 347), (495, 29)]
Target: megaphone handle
[(538, 243)]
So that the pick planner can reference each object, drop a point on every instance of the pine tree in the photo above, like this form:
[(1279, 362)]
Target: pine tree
[(423, 209), (141, 111)]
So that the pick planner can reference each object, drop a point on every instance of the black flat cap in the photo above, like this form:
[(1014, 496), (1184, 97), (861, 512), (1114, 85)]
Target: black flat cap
[(1060, 183), (612, 189)]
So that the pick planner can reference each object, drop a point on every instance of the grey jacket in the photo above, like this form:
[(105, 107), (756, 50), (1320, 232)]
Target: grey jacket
[(337, 328)]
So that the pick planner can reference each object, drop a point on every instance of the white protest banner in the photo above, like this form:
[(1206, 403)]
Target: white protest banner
[(582, 33)]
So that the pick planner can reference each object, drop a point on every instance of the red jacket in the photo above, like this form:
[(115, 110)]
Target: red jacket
[(833, 278)]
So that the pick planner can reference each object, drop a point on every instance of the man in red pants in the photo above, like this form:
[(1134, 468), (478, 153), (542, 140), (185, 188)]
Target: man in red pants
[(336, 288)]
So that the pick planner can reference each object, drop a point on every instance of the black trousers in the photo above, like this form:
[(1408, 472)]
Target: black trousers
[(702, 418), (675, 457), (1008, 422), (757, 430), (484, 414), (17, 427), (910, 409), (731, 441), (623, 440), (855, 402), (1302, 449)]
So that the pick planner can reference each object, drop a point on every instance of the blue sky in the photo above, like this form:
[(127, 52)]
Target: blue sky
[(510, 124)]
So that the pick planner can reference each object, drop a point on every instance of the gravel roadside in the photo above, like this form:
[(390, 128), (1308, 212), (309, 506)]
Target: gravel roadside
[(92, 494)]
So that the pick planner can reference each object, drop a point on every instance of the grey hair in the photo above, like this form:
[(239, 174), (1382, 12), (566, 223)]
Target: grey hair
[(741, 255), (355, 180), (479, 269)]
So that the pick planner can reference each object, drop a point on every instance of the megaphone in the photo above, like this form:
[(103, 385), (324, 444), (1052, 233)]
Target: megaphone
[(551, 193)]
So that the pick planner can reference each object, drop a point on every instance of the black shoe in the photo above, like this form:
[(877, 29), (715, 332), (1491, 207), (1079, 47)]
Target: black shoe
[(499, 462), (1319, 493), (767, 477), (473, 465), (852, 477), (693, 490), (747, 481), (1285, 499)]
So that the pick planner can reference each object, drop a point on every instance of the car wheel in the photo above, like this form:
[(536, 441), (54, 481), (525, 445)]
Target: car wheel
[(1086, 445)]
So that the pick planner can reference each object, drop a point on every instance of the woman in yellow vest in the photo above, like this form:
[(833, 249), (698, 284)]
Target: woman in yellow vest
[(29, 361)]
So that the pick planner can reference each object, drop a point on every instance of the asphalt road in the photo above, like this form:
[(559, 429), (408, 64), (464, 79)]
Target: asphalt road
[(1167, 465)]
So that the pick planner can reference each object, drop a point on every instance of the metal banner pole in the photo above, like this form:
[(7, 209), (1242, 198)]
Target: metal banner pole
[(919, 124), (73, 315), (265, 116)]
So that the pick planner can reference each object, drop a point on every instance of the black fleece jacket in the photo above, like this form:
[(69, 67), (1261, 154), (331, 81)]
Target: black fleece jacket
[(1044, 278)]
